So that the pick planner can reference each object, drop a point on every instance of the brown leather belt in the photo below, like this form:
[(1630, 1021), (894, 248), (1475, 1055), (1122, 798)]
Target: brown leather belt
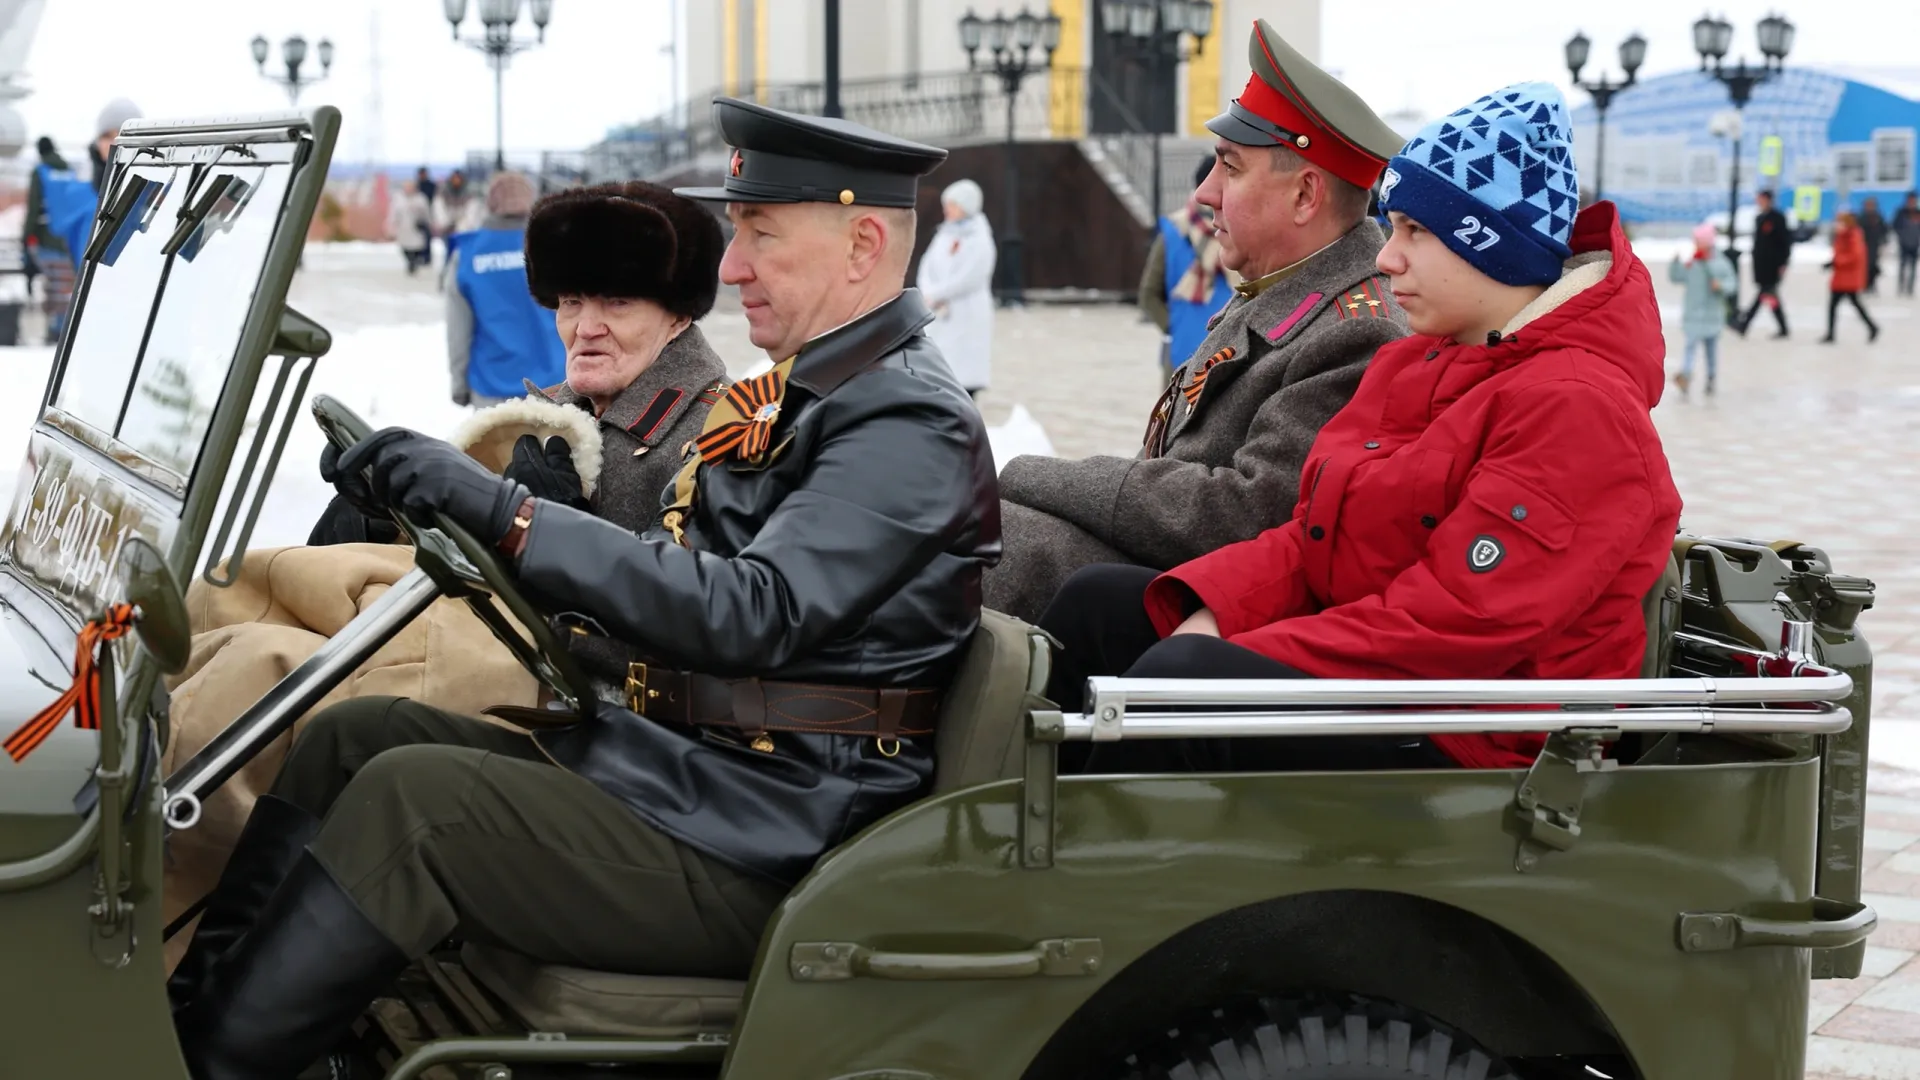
[(757, 706)]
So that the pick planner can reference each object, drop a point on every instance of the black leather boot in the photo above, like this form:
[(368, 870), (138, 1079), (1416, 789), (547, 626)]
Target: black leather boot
[(288, 991), (270, 843)]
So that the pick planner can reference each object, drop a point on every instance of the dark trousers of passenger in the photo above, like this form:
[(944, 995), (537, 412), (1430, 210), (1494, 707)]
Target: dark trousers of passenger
[(1909, 262), (1769, 295), (1100, 619), (435, 826), (1833, 310)]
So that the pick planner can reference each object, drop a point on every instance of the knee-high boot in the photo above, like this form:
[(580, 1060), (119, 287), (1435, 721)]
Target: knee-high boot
[(286, 993), (270, 843)]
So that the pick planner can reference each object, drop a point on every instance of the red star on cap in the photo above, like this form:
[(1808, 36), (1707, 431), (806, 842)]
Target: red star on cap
[(733, 167)]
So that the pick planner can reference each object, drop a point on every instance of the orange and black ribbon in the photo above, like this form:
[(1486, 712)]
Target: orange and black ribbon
[(748, 412), (1193, 389), (82, 699)]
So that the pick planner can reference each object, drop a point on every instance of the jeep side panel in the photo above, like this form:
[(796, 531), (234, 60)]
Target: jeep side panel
[(1139, 858)]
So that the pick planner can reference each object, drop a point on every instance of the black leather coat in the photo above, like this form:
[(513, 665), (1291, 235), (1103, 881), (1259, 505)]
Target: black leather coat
[(851, 555)]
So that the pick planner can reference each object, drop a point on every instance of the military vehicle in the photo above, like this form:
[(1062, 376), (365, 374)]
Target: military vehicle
[(1649, 899)]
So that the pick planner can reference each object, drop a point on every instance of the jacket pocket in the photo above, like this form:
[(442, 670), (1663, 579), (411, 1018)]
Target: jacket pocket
[(1524, 507)]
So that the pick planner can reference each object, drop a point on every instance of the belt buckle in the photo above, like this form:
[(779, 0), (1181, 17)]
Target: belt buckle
[(637, 692)]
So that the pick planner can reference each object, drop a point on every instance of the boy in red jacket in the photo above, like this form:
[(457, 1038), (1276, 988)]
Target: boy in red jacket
[(1493, 503)]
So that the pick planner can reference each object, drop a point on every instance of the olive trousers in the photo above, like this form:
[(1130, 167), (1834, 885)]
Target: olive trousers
[(444, 826)]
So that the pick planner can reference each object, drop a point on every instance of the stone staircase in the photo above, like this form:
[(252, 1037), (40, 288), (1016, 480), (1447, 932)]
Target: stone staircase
[(1125, 162)]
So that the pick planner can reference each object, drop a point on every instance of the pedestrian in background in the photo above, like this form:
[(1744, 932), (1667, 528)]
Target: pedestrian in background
[(1709, 277), (1906, 231), (1184, 284), (956, 280), (1849, 268), (54, 193), (499, 338), (1772, 246), (423, 180), (410, 220), (105, 130), (1873, 229), (457, 209)]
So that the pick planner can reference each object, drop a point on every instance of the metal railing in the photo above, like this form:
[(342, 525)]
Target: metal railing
[(1778, 693), (1190, 708)]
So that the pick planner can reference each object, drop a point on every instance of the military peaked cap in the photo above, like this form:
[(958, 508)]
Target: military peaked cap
[(788, 157), (1290, 101)]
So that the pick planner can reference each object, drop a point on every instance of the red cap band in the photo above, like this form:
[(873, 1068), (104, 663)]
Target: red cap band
[(1324, 148)]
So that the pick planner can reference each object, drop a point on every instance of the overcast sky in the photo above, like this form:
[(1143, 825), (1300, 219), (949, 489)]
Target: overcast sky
[(602, 63)]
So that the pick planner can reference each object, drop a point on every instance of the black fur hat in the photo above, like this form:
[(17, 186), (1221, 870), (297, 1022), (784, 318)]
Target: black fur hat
[(634, 240)]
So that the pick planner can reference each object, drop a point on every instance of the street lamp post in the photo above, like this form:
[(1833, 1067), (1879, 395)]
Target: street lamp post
[(1633, 52), (1011, 42), (1153, 31), (1711, 39), (498, 43), (293, 52)]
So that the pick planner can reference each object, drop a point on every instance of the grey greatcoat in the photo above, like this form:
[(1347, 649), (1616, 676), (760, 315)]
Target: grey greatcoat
[(1232, 458), (643, 430)]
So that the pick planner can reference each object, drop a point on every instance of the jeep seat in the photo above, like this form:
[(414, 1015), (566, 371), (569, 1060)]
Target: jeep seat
[(1661, 608), (576, 1001), (982, 734), (982, 731)]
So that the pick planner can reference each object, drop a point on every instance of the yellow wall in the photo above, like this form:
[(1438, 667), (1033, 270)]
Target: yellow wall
[(1068, 97), (1203, 80), (759, 50)]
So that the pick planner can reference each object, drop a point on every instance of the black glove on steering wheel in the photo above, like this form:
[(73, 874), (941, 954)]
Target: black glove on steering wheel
[(421, 475), (548, 473), (351, 485)]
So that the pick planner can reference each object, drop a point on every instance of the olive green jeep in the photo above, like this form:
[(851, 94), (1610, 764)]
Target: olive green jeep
[(1649, 899)]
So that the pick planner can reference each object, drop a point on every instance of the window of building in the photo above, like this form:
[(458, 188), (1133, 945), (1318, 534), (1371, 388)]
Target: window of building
[(1703, 167), (1893, 157), (1851, 165)]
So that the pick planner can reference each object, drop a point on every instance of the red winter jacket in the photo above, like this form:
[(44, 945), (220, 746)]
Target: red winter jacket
[(1849, 260), (1476, 511)]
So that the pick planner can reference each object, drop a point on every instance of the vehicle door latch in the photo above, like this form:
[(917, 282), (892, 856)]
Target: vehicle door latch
[(1547, 806)]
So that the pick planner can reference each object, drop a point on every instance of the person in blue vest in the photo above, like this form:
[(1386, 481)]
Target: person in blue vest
[(60, 211), (498, 337), (1184, 284)]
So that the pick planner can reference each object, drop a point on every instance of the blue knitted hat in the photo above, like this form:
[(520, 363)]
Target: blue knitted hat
[(1495, 181)]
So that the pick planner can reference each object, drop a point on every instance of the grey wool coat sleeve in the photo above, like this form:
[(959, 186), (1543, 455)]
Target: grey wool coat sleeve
[(1239, 430)]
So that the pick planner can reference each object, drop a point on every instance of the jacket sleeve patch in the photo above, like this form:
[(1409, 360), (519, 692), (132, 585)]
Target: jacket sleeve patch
[(1280, 328)]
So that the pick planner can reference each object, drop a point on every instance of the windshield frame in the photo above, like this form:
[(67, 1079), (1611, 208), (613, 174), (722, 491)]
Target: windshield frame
[(190, 157)]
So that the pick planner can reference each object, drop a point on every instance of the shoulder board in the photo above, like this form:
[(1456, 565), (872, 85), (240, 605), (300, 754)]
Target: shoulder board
[(1368, 299)]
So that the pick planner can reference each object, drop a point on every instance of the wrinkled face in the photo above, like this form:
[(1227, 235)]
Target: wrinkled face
[(1442, 293), (611, 340), (789, 261), (1252, 207)]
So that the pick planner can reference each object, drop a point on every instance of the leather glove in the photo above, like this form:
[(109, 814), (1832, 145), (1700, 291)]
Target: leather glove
[(548, 473), (350, 483), (419, 475)]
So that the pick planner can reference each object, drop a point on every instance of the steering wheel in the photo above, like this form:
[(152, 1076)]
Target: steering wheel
[(464, 567)]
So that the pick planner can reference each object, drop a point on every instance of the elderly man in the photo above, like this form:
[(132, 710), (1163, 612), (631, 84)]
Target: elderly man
[(819, 571), (497, 335), (1221, 459)]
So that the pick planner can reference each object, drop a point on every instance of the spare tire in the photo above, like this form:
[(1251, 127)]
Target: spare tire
[(1316, 1039)]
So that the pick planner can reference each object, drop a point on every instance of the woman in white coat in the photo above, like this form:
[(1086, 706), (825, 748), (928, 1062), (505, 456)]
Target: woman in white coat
[(956, 277)]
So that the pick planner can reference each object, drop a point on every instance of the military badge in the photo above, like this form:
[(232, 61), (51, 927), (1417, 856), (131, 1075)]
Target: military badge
[(747, 413)]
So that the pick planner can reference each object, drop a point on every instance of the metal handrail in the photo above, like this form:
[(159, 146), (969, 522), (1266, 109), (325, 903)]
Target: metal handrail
[(1122, 693), (1821, 719)]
